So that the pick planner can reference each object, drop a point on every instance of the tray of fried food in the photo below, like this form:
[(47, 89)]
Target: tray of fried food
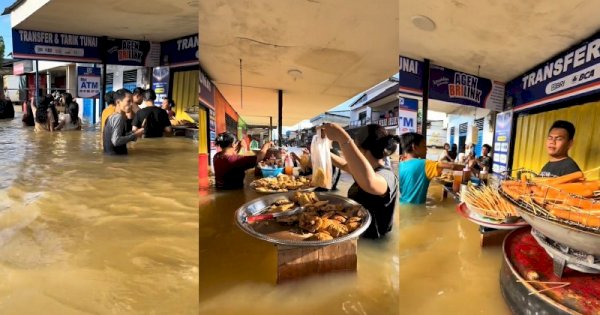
[(281, 183), (323, 219)]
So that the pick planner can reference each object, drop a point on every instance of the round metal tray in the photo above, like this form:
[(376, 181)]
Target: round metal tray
[(576, 237), (255, 206), (474, 217)]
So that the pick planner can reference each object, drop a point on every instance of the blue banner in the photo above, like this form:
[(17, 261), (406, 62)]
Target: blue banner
[(180, 52), (160, 83), (502, 141), (573, 73), (408, 104), (129, 52), (411, 76), (55, 46), (461, 88), (88, 82)]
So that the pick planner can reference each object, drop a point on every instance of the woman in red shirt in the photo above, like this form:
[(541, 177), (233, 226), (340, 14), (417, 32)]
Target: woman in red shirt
[(230, 167)]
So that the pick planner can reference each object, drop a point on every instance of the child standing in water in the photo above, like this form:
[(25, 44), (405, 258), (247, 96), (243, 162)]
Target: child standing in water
[(415, 171)]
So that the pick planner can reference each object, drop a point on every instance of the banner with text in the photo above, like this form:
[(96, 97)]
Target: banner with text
[(502, 141), (55, 46), (407, 121), (180, 52), (88, 82), (206, 93), (411, 76), (129, 52), (461, 88), (408, 104), (575, 72), (160, 83)]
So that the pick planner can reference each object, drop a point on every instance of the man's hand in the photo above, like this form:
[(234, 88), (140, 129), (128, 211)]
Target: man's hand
[(139, 133)]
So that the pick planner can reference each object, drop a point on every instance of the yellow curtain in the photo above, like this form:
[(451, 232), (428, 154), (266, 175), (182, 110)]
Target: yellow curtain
[(532, 130), (185, 92), (202, 131)]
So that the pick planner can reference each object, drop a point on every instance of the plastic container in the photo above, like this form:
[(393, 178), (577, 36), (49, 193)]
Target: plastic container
[(271, 172)]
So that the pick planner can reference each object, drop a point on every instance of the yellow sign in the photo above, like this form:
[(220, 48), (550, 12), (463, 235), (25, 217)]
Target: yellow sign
[(501, 138)]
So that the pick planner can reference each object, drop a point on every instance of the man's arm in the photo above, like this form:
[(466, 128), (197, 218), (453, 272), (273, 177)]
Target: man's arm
[(118, 123)]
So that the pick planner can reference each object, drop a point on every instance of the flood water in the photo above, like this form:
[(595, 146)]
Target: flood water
[(238, 272), (443, 268), (82, 233)]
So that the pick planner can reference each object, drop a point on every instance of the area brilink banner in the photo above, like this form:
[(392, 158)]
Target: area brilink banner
[(575, 72), (55, 46), (130, 52), (502, 141), (411, 76), (462, 88), (180, 52)]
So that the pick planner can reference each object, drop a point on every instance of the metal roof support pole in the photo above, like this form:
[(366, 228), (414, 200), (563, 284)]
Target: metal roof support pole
[(425, 98), (102, 88), (280, 117), (37, 84)]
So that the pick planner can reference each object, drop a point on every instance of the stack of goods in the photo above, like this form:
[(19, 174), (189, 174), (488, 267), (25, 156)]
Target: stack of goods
[(488, 203), (281, 183), (571, 197)]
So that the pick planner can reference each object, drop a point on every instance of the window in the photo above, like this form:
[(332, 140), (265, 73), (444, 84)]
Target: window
[(362, 115)]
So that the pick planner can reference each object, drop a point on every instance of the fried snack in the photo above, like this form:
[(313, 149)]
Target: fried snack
[(281, 183), (337, 229), (289, 220), (310, 222), (352, 226), (305, 199), (354, 219), (320, 178), (320, 236), (339, 218)]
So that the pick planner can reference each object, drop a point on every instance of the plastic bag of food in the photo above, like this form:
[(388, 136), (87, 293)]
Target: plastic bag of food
[(321, 161)]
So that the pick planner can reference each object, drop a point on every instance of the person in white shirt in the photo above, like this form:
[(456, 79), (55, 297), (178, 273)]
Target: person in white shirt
[(71, 120)]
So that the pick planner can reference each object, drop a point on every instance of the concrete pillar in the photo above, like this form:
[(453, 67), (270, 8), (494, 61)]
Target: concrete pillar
[(72, 79)]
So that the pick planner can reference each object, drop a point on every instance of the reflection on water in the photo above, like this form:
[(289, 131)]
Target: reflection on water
[(443, 268), (238, 272), (81, 233)]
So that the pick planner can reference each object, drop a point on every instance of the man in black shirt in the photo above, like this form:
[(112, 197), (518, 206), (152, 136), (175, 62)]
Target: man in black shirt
[(559, 141), (115, 135), (153, 119)]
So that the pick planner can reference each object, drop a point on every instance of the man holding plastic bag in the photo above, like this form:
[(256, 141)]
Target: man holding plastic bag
[(375, 186)]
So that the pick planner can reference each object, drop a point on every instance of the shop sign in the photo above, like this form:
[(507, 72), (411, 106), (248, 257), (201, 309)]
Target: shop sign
[(129, 52), (22, 67), (411, 76), (408, 104), (55, 46), (575, 72), (206, 91), (502, 134), (180, 52), (160, 83), (461, 88), (407, 121), (88, 82)]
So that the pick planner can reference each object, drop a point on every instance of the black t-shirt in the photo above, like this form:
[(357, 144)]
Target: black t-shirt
[(560, 168), (156, 121), (381, 208)]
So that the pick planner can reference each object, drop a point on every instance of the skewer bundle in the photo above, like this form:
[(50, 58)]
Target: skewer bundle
[(488, 203)]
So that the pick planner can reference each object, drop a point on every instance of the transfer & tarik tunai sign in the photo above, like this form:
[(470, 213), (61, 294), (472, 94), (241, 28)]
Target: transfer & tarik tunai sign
[(573, 73)]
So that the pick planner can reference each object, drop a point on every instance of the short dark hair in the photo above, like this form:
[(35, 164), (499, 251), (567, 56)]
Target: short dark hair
[(489, 147), (225, 140), (109, 98), (409, 140), (138, 91), (149, 95), (375, 139), (120, 94), (563, 124)]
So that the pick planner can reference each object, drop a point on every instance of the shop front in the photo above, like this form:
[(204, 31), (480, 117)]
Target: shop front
[(566, 87)]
